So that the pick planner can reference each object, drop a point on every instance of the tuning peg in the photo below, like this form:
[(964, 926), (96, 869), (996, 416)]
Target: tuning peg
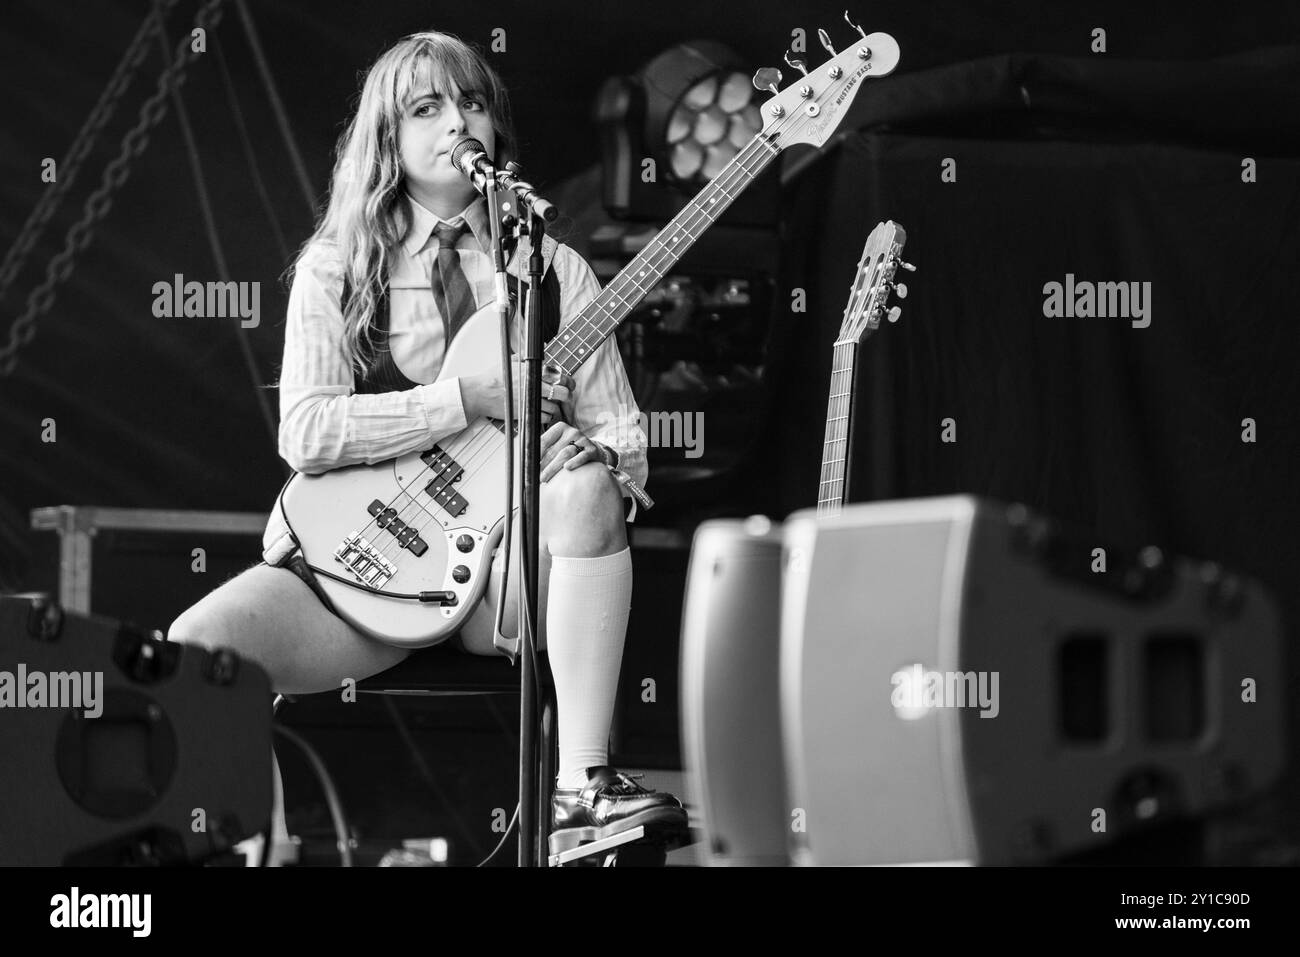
[(908, 266), (768, 78), (900, 290), (797, 63), (826, 41), (854, 25), (893, 314)]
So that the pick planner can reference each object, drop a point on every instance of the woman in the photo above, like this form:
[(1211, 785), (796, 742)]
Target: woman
[(404, 234)]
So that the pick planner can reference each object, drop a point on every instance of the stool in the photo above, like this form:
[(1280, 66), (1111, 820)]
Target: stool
[(445, 671)]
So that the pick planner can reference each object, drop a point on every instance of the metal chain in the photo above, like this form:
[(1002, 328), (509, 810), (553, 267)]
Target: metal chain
[(100, 201), (103, 111)]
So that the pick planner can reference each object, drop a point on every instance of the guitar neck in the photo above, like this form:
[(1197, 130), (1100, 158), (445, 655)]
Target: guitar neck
[(575, 343), (835, 450)]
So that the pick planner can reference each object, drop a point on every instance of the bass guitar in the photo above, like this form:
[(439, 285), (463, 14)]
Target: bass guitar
[(404, 548)]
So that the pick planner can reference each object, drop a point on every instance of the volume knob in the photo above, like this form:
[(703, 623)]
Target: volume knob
[(465, 543), (460, 574)]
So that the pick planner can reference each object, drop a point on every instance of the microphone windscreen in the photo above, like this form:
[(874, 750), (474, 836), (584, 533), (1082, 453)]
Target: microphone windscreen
[(464, 146)]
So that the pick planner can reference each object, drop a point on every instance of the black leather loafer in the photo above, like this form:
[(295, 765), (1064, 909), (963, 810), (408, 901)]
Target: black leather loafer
[(613, 802)]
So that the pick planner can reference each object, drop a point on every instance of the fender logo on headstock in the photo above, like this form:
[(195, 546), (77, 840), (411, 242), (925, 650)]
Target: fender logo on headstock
[(831, 117)]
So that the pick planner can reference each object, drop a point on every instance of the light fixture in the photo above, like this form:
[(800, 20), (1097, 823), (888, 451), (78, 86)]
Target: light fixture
[(688, 112)]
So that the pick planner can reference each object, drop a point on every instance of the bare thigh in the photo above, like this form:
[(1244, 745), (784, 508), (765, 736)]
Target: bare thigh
[(271, 616)]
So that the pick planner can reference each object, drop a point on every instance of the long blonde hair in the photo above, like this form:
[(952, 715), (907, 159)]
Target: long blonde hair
[(365, 218)]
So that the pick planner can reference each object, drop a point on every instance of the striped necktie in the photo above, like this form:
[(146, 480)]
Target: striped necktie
[(451, 291)]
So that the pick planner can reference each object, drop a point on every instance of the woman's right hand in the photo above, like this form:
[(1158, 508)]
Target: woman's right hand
[(484, 394)]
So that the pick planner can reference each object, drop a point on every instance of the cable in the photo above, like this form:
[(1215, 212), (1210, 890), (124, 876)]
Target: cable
[(250, 154), (331, 793), (501, 843), (277, 105), (426, 772), (268, 835)]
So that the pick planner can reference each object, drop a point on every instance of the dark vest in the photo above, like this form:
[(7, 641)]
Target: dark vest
[(385, 376)]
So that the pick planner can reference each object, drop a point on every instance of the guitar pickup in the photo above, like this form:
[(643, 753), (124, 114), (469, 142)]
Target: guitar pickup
[(407, 537), (441, 491), (442, 463), (446, 472), (385, 517), (410, 538)]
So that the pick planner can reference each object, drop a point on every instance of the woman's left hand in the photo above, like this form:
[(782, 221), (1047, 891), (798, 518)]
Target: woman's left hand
[(566, 447)]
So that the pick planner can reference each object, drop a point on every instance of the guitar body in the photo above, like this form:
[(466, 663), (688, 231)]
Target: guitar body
[(325, 510)]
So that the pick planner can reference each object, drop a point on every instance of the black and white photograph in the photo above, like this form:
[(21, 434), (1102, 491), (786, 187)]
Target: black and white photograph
[(766, 437)]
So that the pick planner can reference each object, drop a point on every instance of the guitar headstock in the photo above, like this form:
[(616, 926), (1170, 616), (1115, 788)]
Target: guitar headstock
[(875, 281), (810, 109)]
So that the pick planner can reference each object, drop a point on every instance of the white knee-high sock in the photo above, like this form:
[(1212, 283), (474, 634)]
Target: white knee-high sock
[(587, 606)]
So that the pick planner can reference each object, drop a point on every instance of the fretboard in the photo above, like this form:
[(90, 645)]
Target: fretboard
[(835, 450), (576, 342)]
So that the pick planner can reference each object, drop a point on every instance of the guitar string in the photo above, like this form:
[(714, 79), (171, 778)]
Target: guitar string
[(763, 139), (837, 399), (839, 403), (859, 281), (391, 549)]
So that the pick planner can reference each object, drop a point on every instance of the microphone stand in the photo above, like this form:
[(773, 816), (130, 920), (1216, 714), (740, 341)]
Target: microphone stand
[(530, 544), (531, 850), (530, 432)]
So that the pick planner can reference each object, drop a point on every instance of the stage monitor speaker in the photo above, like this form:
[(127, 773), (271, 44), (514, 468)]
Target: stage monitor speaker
[(963, 681), (122, 748), (731, 729)]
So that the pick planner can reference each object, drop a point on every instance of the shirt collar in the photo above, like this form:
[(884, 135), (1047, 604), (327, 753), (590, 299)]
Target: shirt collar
[(423, 222)]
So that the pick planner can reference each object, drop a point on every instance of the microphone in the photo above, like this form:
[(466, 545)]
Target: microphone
[(471, 158)]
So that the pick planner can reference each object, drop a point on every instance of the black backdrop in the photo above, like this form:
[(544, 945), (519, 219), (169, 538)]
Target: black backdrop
[(1117, 167)]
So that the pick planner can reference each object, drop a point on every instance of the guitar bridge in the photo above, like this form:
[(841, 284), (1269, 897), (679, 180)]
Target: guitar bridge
[(364, 561)]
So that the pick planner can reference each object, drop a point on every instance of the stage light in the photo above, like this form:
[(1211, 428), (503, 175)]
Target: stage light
[(689, 110), (711, 122)]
